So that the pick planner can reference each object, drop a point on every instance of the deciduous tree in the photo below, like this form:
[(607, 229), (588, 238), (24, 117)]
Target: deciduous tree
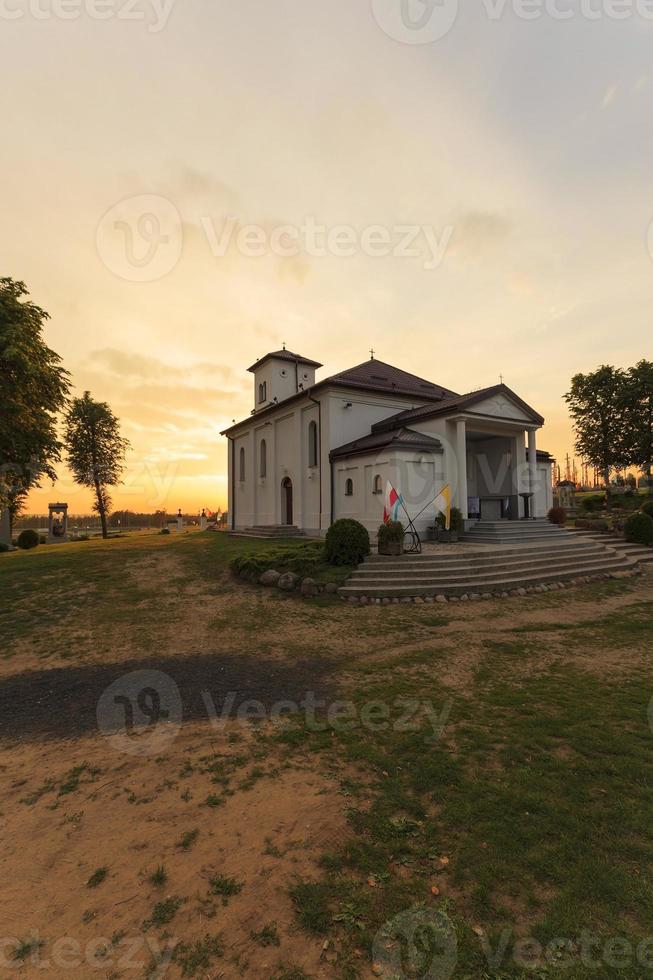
[(33, 389), (638, 420), (95, 450), (597, 406)]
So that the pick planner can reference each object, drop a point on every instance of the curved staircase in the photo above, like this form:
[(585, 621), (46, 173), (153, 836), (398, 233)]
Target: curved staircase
[(475, 573)]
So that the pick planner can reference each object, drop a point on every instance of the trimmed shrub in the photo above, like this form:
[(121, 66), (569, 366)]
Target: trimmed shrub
[(391, 533), (164, 530), (557, 515), (647, 508), (28, 539), (347, 543), (638, 529)]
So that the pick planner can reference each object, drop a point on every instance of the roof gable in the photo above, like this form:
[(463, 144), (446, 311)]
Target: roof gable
[(498, 401), (399, 438), (378, 376), (283, 355)]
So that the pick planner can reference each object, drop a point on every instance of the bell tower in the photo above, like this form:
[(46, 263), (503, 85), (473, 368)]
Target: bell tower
[(280, 375)]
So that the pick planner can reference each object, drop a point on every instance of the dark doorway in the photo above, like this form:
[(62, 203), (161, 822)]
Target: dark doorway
[(286, 500)]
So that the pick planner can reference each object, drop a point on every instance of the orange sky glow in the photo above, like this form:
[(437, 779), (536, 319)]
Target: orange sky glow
[(185, 192)]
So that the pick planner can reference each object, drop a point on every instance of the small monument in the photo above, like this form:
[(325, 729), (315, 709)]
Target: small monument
[(203, 519), (180, 522), (57, 523)]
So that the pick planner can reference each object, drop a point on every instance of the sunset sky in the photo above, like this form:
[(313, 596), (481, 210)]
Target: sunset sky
[(524, 147)]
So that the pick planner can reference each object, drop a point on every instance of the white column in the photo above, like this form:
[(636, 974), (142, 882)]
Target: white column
[(532, 467), (461, 453)]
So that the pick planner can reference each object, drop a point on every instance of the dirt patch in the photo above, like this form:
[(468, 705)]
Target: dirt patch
[(129, 816)]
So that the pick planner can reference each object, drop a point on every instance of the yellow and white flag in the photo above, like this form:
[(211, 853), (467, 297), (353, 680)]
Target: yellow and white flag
[(443, 503)]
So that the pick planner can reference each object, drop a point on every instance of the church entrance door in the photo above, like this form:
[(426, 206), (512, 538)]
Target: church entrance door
[(286, 501)]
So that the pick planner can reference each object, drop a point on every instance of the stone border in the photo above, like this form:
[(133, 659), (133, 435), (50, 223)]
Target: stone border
[(485, 596)]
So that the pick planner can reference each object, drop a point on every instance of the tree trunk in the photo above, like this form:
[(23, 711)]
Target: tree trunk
[(102, 511), (608, 498)]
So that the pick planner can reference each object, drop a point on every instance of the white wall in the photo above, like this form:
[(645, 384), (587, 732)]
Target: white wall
[(416, 476)]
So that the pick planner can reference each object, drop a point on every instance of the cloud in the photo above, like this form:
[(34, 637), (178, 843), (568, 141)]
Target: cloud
[(133, 367)]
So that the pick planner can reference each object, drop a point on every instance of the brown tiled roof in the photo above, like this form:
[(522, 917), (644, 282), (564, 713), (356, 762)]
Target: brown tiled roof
[(379, 376), (401, 438), (454, 404), (284, 355)]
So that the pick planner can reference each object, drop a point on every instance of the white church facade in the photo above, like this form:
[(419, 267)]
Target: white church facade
[(313, 451)]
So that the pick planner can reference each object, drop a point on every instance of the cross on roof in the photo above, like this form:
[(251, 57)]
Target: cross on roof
[(372, 353)]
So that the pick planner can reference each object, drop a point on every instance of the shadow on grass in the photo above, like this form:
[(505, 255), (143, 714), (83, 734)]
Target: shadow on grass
[(62, 703)]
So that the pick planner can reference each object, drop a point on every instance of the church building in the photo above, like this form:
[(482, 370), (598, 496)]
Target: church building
[(313, 451)]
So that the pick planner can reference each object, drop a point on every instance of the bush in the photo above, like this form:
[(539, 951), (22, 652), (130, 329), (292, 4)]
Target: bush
[(457, 523), (638, 529), (391, 533), (3, 547), (592, 502), (28, 539), (557, 515), (301, 560), (647, 508), (347, 543), (164, 530)]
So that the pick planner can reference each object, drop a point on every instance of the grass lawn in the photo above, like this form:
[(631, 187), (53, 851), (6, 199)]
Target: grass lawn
[(464, 793)]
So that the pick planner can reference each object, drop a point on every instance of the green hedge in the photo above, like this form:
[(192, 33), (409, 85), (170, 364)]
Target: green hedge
[(347, 542), (638, 529), (28, 539), (301, 560)]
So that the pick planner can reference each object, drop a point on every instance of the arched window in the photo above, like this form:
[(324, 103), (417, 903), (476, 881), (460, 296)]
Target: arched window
[(264, 459), (262, 392), (349, 488), (378, 485), (241, 476), (312, 444)]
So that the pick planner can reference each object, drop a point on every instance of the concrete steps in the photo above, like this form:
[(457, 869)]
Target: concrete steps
[(641, 552), (269, 532), (514, 532), (500, 570)]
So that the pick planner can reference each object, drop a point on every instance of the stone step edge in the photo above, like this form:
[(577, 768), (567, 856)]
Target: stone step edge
[(470, 581), (446, 561), (368, 575), (499, 585), (528, 590)]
